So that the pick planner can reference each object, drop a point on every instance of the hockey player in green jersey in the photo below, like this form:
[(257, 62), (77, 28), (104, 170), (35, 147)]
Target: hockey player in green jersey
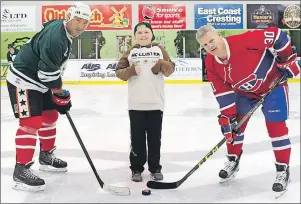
[(35, 88)]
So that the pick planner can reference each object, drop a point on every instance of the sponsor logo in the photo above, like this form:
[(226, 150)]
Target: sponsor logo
[(17, 80), (145, 54), (221, 16), (148, 12), (218, 15), (91, 67), (91, 70), (291, 16), (262, 16), (274, 111), (7, 14), (163, 16), (103, 16), (52, 13), (18, 19), (112, 66), (186, 68), (181, 63)]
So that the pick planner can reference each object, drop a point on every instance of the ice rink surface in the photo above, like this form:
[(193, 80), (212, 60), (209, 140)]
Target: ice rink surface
[(190, 130)]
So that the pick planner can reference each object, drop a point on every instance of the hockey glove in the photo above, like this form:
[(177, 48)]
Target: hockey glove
[(290, 66), (157, 67), (227, 126), (166, 67), (62, 102)]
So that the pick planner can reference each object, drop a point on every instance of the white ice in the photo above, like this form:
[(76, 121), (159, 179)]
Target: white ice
[(190, 130)]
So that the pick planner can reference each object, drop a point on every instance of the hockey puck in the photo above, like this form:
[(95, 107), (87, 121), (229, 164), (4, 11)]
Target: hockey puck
[(146, 192)]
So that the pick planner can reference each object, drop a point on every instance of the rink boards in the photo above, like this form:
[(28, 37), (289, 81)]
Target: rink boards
[(92, 72)]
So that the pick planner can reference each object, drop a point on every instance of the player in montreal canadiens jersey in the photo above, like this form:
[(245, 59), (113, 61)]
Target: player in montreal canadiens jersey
[(240, 69), (34, 84)]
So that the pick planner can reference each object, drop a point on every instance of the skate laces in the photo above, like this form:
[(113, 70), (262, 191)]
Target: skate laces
[(30, 174), (280, 176), (229, 166), (55, 159)]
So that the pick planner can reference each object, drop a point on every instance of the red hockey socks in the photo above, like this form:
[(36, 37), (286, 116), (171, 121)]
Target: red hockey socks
[(280, 141), (47, 133), (26, 138)]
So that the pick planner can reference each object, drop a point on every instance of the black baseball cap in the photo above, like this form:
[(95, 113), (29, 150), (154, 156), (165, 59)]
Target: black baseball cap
[(146, 25)]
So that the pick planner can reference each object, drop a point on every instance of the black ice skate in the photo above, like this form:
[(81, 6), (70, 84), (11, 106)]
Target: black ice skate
[(26, 180), (282, 179), (231, 168), (157, 175), (49, 162), (136, 176)]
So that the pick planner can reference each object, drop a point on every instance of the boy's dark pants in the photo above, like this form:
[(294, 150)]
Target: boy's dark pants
[(145, 124)]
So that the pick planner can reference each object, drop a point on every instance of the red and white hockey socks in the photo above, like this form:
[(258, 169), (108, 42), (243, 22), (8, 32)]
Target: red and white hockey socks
[(26, 138), (47, 133)]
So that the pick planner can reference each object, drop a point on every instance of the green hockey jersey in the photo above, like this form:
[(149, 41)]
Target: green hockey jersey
[(40, 63)]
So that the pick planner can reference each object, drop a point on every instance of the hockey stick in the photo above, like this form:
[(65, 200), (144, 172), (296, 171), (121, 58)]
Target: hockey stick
[(173, 185), (123, 191)]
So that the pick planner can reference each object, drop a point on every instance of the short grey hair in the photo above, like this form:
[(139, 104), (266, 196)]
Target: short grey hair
[(203, 30)]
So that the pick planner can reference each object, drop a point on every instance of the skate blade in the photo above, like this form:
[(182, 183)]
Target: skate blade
[(49, 168), (228, 179), (25, 187), (279, 194)]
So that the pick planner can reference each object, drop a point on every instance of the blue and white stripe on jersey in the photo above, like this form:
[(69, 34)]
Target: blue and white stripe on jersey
[(226, 100), (265, 65)]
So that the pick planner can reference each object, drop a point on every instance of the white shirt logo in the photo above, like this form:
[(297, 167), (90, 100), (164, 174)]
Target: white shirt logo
[(66, 53)]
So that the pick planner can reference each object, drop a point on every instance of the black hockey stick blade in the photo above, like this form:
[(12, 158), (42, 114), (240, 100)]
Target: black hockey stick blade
[(121, 191), (161, 185)]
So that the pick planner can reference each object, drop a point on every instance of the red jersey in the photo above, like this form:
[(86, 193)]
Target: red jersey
[(250, 68)]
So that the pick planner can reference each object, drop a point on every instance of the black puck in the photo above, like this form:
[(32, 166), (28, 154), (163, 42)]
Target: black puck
[(146, 192)]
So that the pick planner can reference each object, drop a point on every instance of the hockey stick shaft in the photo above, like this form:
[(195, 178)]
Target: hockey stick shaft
[(239, 124), (162, 185), (101, 183), (111, 189), (248, 115)]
